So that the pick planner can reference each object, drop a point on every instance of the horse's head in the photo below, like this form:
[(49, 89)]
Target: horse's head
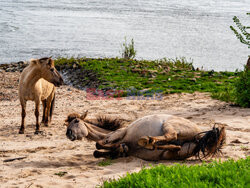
[(76, 127), (49, 72)]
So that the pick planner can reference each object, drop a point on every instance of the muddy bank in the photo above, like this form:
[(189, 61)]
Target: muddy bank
[(73, 75)]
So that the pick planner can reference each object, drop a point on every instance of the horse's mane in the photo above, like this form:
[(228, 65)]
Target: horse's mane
[(44, 58), (109, 123), (71, 117), (33, 61), (103, 122)]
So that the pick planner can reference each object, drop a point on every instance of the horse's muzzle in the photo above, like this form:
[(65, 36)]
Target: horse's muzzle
[(70, 135), (58, 83)]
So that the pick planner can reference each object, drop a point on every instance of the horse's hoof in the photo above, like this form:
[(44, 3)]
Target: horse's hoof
[(97, 154), (21, 131), (45, 124), (38, 132), (98, 146)]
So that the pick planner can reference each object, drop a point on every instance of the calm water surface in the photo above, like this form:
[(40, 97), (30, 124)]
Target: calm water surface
[(196, 29)]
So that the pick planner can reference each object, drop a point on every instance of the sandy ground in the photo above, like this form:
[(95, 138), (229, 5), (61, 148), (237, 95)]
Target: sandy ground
[(51, 152)]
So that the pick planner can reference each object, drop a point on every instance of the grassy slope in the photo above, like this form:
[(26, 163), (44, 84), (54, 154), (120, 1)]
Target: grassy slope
[(167, 76), (227, 174)]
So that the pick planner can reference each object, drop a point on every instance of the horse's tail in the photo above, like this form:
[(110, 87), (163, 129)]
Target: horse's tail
[(210, 143), (52, 106)]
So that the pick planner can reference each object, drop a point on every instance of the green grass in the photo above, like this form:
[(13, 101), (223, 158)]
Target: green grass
[(165, 76), (105, 162), (216, 174), (61, 173)]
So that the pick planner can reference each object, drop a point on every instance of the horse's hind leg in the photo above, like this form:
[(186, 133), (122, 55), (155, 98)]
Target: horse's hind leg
[(44, 110), (52, 107), (147, 144), (151, 141), (167, 147), (21, 130), (49, 108)]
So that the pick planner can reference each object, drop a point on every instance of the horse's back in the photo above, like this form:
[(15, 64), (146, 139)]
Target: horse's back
[(42, 88)]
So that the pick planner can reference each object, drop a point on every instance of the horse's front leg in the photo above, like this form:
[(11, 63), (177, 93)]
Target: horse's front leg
[(121, 151), (21, 130), (37, 103)]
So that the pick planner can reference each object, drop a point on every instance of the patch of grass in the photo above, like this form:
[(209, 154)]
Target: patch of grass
[(105, 162), (244, 148), (242, 89), (61, 173), (216, 174), (165, 76)]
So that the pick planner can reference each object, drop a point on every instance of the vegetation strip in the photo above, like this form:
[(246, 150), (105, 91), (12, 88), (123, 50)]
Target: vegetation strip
[(159, 76), (216, 174)]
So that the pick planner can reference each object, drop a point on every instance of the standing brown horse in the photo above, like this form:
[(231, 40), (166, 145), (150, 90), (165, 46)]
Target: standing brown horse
[(37, 83)]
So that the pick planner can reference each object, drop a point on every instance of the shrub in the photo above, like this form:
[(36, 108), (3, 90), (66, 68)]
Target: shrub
[(244, 36), (242, 89), (128, 51)]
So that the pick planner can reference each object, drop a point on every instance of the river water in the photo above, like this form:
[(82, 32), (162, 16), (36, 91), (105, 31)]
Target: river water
[(195, 29)]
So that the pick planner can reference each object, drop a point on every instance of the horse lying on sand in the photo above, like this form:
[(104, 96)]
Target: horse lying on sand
[(154, 137), (37, 83)]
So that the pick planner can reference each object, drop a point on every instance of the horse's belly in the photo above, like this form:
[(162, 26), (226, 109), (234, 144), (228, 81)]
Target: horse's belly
[(148, 126)]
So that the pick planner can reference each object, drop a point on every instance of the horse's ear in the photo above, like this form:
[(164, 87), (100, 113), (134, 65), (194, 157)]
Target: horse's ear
[(43, 60), (33, 61), (46, 60), (49, 61), (84, 115)]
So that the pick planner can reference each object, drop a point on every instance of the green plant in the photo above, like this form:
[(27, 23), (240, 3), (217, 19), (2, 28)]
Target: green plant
[(216, 174), (242, 89), (105, 162), (62, 173), (128, 50), (244, 36)]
